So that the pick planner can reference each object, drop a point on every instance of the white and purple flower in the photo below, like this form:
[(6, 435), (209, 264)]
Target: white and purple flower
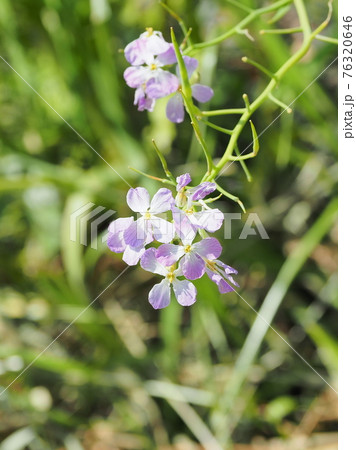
[(149, 226), (160, 295), (220, 273), (192, 256), (186, 257), (200, 92)]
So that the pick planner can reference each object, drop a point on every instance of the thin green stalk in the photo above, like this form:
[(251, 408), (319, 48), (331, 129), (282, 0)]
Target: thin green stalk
[(282, 31), (186, 92), (258, 66), (239, 27), (216, 127), (250, 109), (222, 419), (223, 112), (331, 40)]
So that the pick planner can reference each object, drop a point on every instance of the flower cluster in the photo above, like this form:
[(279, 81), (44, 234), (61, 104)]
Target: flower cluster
[(149, 56), (185, 249)]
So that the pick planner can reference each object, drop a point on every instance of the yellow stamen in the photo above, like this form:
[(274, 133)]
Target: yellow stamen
[(189, 211), (170, 276), (153, 66), (187, 248), (149, 31), (147, 215), (210, 264)]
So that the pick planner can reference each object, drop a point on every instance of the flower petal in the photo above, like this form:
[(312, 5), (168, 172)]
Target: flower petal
[(162, 84), (168, 57), (136, 76), (210, 220), (223, 286), (209, 248), (132, 255), (202, 93), (192, 265), (143, 101), (135, 52), (191, 64), (138, 199), (184, 227), (162, 201), (175, 109), (120, 224), (202, 190), (137, 234), (185, 292), (168, 254), (183, 180), (156, 45), (163, 231), (115, 239), (149, 262), (160, 294)]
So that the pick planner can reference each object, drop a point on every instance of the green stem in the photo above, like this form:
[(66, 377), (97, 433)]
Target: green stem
[(223, 112), (282, 31), (331, 40), (308, 38), (239, 27)]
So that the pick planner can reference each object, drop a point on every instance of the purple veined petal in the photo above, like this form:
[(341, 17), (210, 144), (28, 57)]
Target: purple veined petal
[(202, 93), (115, 239), (132, 255), (156, 45), (185, 292), (183, 180), (150, 263), (116, 242), (184, 228), (136, 234), (138, 199), (222, 284), (160, 295), (228, 269), (162, 201), (209, 248), (202, 190), (143, 102), (162, 84), (163, 231), (192, 265), (135, 52), (175, 109), (136, 76), (120, 224), (168, 57), (210, 220), (168, 254), (191, 64)]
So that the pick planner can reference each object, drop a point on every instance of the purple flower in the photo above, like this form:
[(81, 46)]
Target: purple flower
[(147, 56), (117, 244), (185, 197), (193, 256), (149, 44), (220, 273), (149, 226), (160, 294), (201, 93)]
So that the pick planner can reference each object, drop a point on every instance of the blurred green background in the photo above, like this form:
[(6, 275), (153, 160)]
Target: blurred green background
[(124, 376)]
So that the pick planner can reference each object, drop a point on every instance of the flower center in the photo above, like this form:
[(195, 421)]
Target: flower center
[(187, 248), (149, 31), (153, 66), (147, 216), (170, 276), (210, 264), (189, 211)]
